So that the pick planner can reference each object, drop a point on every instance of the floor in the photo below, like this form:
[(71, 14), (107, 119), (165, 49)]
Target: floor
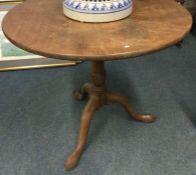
[(39, 120)]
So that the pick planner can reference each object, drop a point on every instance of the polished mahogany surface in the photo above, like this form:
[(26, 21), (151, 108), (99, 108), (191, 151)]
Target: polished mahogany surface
[(39, 26)]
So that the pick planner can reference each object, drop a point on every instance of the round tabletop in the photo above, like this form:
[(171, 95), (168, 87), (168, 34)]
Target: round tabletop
[(40, 27)]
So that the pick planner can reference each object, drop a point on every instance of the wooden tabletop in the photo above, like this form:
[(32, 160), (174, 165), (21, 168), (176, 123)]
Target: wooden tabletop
[(39, 26)]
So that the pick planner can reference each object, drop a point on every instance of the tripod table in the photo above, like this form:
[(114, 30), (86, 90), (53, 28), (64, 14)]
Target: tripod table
[(41, 28)]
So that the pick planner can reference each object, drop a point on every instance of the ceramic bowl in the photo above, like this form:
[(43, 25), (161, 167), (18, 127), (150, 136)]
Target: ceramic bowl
[(97, 10)]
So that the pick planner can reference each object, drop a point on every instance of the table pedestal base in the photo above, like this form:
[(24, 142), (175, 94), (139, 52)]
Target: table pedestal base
[(99, 96)]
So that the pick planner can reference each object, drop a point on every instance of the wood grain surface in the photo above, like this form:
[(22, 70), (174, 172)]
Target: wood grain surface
[(41, 28)]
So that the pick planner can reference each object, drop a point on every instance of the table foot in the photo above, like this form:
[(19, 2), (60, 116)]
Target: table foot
[(115, 97), (84, 129), (99, 96)]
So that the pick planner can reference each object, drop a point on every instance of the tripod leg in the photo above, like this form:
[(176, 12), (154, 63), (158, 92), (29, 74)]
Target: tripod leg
[(83, 92), (84, 129), (114, 97)]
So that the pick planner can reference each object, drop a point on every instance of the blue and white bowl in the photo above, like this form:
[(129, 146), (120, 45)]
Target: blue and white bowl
[(97, 10)]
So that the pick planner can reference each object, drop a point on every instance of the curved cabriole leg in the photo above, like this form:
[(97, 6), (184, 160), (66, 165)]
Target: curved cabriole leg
[(84, 129), (83, 92), (114, 97)]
